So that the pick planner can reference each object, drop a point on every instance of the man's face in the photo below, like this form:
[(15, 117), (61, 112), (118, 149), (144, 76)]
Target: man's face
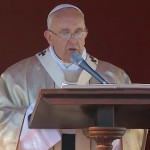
[(66, 21)]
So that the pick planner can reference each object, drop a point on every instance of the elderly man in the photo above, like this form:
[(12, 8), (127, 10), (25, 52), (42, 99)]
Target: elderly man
[(21, 83)]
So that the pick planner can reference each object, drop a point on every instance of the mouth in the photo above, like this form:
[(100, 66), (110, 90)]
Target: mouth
[(73, 49)]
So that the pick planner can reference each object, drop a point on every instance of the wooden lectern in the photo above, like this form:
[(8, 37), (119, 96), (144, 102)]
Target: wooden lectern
[(103, 112)]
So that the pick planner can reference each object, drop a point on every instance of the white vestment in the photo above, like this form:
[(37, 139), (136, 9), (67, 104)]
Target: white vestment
[(21, 83)]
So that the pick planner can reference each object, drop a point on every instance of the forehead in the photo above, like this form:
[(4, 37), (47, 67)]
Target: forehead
[(68, 18)]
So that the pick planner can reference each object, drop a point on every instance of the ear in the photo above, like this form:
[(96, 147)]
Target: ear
[(48, 37)]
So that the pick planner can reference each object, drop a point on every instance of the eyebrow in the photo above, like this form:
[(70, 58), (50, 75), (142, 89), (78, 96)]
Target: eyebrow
[(67, 30)]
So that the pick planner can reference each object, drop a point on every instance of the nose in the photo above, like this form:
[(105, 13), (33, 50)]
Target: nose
[(73, 39)]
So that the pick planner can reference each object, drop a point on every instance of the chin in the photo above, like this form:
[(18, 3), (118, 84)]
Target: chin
[(67, 59)]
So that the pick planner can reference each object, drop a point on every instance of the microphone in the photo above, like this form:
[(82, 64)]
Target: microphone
[(78, 60)]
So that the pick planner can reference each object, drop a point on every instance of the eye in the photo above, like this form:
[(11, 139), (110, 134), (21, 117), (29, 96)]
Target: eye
[(65, 33), (78, 32)]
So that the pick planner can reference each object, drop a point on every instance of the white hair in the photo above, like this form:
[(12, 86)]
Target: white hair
[(57, 8)]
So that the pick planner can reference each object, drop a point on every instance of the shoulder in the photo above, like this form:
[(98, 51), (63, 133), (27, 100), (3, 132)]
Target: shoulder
[(26, 64), (113, 73), (108, 65), (22, 65), (103, 64), (22, 68)]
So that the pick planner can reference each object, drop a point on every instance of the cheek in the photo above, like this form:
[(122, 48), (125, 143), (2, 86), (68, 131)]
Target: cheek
[(82, 44), (59, 48)]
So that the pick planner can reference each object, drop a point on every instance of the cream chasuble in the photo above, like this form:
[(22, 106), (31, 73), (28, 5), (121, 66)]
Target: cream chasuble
[(21, 83)]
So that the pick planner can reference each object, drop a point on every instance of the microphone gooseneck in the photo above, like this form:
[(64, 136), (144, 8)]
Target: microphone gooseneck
[(78, 60)]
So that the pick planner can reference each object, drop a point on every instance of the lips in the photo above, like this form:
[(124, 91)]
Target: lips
[(73, 49)]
